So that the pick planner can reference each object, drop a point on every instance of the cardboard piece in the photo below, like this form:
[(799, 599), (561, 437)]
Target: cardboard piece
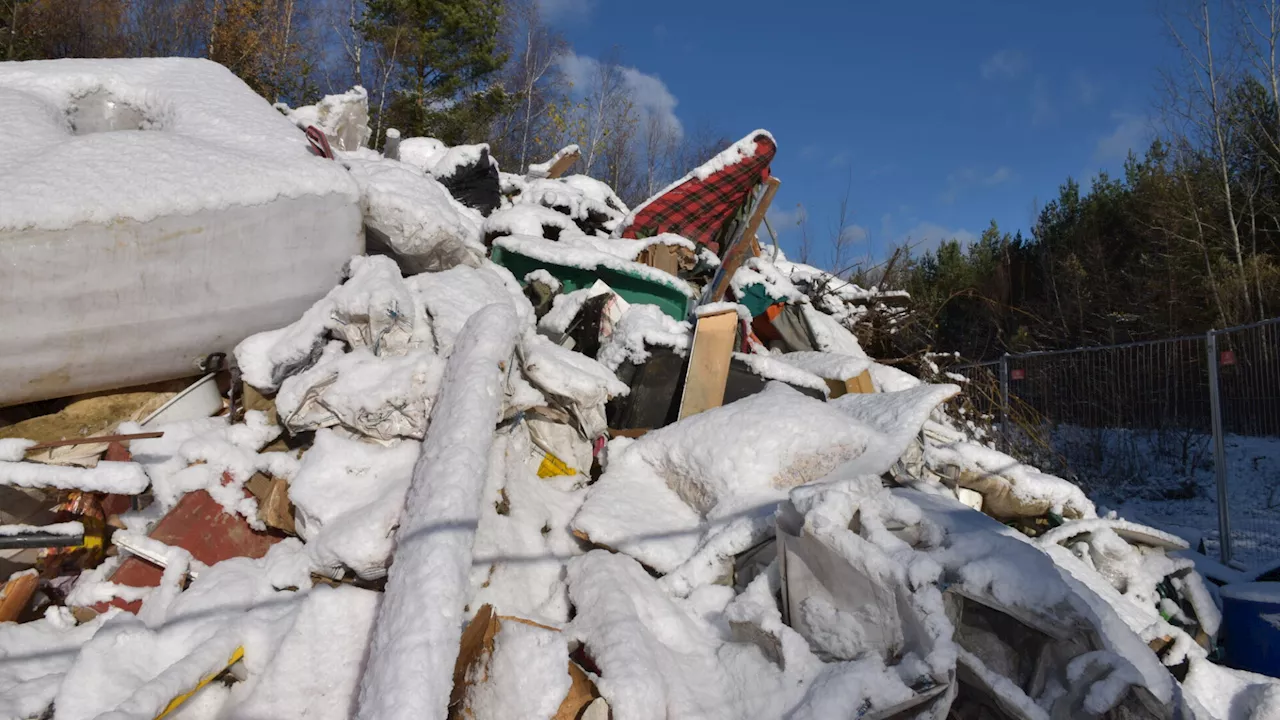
[(860, 383), (565, 162), (708, 371), (474, 649), (17, 595)]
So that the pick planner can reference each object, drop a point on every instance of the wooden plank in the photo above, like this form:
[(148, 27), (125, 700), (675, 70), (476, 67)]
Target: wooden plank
[(742, 246), (564, 163), (17, 595), (93, 440), (708, 371)]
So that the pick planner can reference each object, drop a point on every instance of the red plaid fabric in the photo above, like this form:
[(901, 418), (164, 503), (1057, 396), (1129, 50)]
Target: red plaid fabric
[(699, 209)]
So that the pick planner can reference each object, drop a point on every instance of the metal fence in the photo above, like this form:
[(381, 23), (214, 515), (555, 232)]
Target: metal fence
[(1183, 433)]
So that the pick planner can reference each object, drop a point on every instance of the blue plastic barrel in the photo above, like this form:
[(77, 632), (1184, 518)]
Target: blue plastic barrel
[(1251, 626)]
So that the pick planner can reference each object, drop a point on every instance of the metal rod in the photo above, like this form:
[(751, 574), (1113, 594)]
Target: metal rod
[(39, 540), (1219, 448), (1004, 401)]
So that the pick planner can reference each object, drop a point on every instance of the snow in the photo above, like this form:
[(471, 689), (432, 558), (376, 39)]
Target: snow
[(543, 277), (719, 308), (773, 367), (347, 497), (567, 374), (1228, 694), (641, 326), (194, 138), (211, 455), (596, 191), (456, 157), (34, 656), (542, 169), (453, 296), (316, 670), (373, 308), (830, 366), (1255, 592), (422, 152), (1008, 486), (343, 117), (586, 257), (63, 529), (410, 672), (575, 199), (417, 216), (530, 220), (758, 271), (14, 449), (379, 397), (123, 478), (829, 335), (526, 676)]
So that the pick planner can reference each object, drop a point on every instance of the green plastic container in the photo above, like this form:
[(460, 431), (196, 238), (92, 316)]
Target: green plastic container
[(632, 288)]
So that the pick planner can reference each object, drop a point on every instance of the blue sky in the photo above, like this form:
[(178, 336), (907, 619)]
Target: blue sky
[(946, 115)]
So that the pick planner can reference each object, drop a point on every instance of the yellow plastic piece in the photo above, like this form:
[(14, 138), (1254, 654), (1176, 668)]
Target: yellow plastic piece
[(552, 466), (175, 703), (94, 530)]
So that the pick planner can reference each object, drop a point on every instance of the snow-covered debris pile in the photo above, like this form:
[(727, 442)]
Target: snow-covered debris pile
[(522, 468)]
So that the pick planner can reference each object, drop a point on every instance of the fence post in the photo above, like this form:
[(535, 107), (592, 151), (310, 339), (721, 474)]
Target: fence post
[(1004, 402), (1219, 448)]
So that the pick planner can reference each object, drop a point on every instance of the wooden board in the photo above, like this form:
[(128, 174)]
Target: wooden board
[(564, 163), (708, 371), (861, 383), (17, 595), (743, 246)]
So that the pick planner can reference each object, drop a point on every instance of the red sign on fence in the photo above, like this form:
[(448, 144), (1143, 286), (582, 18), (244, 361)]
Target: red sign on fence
[(1227, 357), (1017, 374)]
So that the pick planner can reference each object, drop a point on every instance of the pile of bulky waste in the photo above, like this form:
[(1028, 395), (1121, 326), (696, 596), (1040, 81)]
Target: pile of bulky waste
[(539, 455)]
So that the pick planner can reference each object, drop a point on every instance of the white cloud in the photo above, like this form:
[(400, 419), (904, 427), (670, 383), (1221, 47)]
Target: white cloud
[(565, 9), (782, 220), (1130, 132), (1004, 65), (648, 93), (854, 234), (927, 236)]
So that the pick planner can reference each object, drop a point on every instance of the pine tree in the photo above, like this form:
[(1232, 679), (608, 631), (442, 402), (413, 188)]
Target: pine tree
[(444, 55)]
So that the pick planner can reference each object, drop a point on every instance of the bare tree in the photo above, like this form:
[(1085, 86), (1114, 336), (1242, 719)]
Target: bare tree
[(606, 96), (533, 77), (1199, 108), (661, 139)]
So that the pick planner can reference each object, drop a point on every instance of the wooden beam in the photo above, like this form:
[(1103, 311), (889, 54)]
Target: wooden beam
[(17, 595), (743, 245), (708, 371), (564, 163), (92, 440)]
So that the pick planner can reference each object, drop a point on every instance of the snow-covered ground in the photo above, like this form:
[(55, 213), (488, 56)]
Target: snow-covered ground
[(1166, 479)]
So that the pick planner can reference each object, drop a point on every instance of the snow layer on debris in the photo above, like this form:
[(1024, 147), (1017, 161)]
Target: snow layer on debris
[(373, 308), (14, 449), (1006, 692), (422, 152), (642, 326), (531, 220), (456, 157), (1008, 486), (587, 257), (569, 198), (829, 335), (132, 668), (718, 308), (758, 271), (330, 113), (567, 374), (123, 478), (316, 670), (453, 296), (542, 169), (410, 672), (826, 365), (35, 655), (205, 141), (895, 417), (1129, 530), (347, 497), (596, 191), (1228, 694), (519, 552), (526, 677), (419, 217), (663, 493), (543, 277), (772, 367), (849, 689), (891, 379), (381, 397), (655, 660), (63, 529), (208, 454)]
